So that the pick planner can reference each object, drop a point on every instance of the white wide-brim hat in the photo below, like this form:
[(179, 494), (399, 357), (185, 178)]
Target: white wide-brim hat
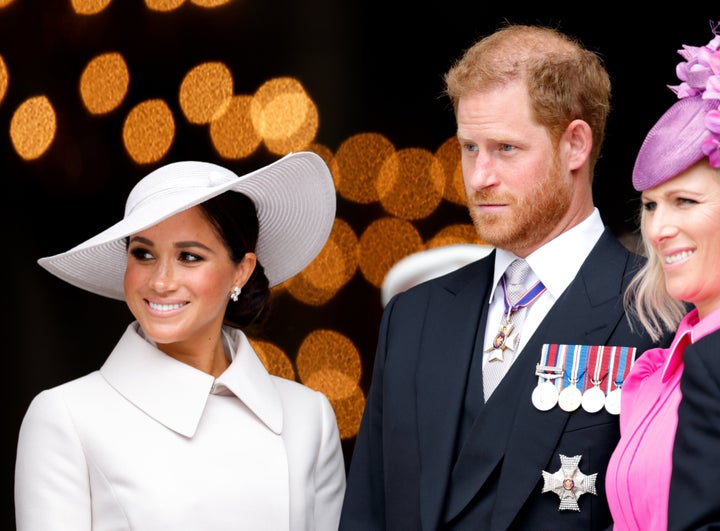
[(294, 197)]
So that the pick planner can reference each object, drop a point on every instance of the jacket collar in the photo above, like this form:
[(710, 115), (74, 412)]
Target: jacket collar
[(175, 394), (690, 330)]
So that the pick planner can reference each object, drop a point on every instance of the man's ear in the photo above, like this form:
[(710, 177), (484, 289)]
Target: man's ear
[(578, 140)]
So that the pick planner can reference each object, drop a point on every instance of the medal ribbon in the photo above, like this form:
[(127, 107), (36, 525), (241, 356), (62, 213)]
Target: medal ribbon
[(567, 358), (598, 363), (530, 296), (548, 362), (562, 355), (622, 361), (579, 359)]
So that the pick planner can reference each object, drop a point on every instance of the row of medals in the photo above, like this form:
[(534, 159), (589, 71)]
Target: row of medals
[(546, 396)]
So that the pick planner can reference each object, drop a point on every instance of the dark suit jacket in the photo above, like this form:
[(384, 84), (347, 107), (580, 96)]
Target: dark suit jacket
[(406, 473), (694, 497)]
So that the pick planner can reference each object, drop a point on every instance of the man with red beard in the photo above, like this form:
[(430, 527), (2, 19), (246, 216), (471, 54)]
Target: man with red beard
[(494, 399)]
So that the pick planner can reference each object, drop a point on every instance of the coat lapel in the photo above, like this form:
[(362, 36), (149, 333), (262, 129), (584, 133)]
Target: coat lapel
[(171, 392), (456, 307), (175, 394)]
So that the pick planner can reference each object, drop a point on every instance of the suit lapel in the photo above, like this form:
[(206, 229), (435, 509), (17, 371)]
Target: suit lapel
[(455, 309)]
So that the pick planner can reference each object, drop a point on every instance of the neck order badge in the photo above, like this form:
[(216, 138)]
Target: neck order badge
[(515, 299)]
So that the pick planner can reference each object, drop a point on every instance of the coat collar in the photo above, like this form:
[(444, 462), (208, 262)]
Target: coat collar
[(175, 394), (695, 329)]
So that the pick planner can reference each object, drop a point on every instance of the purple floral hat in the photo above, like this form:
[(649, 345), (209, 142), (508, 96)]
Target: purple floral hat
[(690, 129)]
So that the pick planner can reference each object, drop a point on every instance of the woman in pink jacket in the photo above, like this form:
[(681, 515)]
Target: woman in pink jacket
[(677, 172)]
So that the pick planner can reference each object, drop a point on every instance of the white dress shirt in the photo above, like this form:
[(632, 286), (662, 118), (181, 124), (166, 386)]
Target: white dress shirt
[(556, 264)]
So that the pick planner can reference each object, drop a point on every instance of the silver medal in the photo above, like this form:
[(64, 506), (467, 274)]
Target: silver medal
[(593, 399), (612, 402), (545, 396), (570, 398)]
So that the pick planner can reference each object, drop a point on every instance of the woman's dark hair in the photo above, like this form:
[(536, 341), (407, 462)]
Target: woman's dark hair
[(234, 218)]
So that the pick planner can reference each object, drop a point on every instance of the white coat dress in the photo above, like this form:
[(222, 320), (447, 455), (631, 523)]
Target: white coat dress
[(148, 443)]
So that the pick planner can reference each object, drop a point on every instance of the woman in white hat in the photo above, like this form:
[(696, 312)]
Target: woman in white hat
[(182, 428)]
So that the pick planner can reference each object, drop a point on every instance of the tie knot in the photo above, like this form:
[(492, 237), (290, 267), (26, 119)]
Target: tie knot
[(517, 272)]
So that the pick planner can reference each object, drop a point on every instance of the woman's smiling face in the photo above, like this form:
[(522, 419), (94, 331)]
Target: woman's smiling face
[(178, 279), (681, 219)]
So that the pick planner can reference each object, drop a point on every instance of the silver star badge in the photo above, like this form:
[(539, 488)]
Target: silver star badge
[(569, 483)]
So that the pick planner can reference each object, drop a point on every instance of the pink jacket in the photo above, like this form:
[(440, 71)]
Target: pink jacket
[(638, 475)]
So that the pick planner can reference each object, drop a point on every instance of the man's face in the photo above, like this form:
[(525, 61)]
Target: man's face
[(517, 186)]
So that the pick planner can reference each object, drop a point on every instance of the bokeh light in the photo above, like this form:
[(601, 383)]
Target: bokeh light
[(233, 133), (348, 410), (383, 243), (329, 362), (89, 7), (357, 164), (452, 234), (328, 349), (284, 115), (449, 156), (205, 92), (410, 183), (170, 5), (149, 131), (104, 83), (331, 270), (275, 360), (163, 5), (209, 3), (33, 127), (4, 78)]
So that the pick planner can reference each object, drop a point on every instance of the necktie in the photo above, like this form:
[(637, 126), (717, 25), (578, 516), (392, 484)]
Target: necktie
[(517, 299)]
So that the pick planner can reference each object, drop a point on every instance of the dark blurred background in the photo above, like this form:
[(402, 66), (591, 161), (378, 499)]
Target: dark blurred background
[(369, 66)]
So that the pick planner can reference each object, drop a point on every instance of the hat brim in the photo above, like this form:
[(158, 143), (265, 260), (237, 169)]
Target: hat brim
[(427, 264), (295, 201)]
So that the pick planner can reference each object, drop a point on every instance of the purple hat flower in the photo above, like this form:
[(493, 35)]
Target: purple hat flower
[(690, 129)]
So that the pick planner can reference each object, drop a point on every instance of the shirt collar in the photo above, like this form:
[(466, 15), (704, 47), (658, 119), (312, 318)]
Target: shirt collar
[(573, 245), (683, 334), (690, 329), (175, 394), (709, 323)]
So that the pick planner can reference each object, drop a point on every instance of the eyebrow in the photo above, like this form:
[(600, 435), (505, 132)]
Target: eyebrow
[(177, 245)]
